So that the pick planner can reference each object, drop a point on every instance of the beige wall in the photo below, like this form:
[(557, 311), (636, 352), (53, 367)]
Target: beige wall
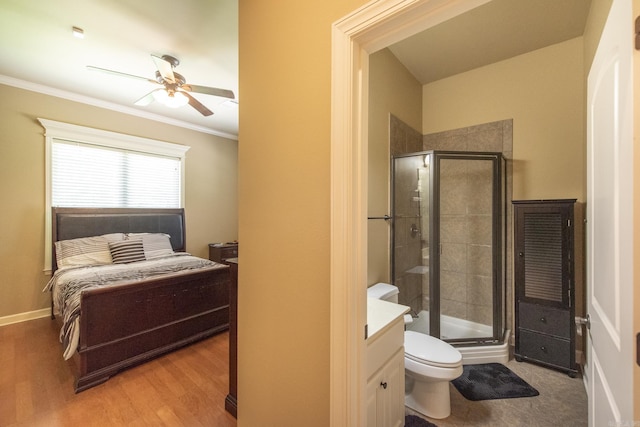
[(392, 90), (543, 91), (284, 208), (210, 195)]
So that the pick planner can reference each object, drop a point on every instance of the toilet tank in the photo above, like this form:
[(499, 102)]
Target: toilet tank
[(383, 291)]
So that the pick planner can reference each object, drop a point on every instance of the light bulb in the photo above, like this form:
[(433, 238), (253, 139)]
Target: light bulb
[(173, 100)]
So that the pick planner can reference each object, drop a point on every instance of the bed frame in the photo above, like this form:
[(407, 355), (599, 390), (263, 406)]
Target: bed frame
[(128, 324)]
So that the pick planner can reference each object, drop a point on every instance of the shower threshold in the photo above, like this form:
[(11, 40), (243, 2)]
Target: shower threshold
[(472, 353)]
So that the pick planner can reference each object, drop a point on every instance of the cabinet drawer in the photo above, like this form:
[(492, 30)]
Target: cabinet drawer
[(543, 319), (383, 345), (544, 348), (229, 252)]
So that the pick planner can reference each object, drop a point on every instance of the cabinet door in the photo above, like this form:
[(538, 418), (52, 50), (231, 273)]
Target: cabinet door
[(393, 401), (385, 394), (372, 400), (544, 247)]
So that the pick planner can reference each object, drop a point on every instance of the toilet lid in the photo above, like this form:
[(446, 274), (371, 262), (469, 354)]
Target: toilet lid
[(430, 350)]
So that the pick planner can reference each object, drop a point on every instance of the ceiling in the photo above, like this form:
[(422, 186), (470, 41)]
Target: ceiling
[(497, 30), (39, 52)]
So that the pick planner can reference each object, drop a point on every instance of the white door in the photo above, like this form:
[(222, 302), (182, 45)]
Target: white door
[(608, 373)]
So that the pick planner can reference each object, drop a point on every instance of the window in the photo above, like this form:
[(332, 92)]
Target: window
[(85, 175), (88, 167)]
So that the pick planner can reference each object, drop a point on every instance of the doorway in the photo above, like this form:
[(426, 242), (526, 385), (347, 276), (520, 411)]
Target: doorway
[(355, 37)]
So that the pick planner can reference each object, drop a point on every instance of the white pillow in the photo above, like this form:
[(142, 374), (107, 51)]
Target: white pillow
[(155, 244), (86, 251)]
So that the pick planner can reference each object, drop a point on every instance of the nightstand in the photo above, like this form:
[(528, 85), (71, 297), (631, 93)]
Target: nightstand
[(220, 252)]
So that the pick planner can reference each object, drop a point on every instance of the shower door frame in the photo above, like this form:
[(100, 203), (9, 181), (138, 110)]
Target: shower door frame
[(498, 236)]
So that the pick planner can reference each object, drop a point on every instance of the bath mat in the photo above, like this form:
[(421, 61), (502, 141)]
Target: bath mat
[(414, 421), (492, 381)]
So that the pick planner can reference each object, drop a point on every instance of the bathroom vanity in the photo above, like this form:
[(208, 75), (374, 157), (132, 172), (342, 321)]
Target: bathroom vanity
[(385, 363)]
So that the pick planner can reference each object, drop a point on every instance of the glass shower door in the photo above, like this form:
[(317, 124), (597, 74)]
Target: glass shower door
[(410, 212), (466, 267)]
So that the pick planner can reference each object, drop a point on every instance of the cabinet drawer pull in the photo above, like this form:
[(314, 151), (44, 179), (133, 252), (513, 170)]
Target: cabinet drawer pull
[(543, 320), (384, 385), (543, 348)]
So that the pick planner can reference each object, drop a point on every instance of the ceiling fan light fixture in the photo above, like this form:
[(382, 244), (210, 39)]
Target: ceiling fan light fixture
[(172, 100), (174, 91)]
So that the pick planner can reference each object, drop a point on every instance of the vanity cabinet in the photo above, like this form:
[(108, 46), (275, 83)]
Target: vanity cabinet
[(544, 283), (385, 364), (385, 393)]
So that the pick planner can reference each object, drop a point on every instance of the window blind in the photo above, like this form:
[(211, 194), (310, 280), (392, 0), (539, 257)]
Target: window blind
[(88, 175)]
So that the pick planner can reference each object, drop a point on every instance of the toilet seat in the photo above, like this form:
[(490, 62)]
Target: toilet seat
[(429, 350)]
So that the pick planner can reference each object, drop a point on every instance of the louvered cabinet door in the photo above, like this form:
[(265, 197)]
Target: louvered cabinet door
[(544, 282)]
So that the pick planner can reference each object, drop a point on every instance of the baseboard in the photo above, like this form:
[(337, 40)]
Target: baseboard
[(23, 317)]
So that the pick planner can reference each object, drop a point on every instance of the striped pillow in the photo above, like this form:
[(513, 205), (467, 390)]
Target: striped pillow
[(127, 251), (85, 251)]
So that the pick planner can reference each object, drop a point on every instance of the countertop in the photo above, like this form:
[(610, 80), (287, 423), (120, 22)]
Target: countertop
[(381, 314)]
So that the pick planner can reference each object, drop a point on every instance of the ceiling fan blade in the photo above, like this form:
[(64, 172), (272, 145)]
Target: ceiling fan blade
[(147, 99), (197, 105), (165, 68), (225, 93), (118, 73)]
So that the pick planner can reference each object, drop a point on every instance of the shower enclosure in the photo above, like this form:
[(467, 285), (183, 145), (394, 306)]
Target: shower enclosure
[(448, 244)]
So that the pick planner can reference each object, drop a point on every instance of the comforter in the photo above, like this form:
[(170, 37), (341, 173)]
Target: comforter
[(67, 286)]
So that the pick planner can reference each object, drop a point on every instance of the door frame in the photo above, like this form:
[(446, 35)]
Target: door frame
[(370, 28)]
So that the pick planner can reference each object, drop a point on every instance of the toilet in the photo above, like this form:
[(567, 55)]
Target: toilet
[(430, 364)]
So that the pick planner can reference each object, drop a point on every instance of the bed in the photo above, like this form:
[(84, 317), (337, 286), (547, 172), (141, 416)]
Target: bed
[(133, 309)]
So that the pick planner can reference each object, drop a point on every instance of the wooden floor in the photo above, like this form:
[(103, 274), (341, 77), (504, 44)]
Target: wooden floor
[(183, 388)]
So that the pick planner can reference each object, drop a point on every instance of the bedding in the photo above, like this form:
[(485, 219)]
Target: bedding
[(67, 283)]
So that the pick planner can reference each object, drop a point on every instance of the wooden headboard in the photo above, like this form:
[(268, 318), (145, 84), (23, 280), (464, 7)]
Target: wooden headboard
[(73, 223)]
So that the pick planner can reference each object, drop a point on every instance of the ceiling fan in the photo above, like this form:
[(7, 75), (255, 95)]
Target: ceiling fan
[(175, 90)]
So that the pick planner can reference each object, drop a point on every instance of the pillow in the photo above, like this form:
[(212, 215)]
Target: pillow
[(155, 244), (85, 251), (127, 251)]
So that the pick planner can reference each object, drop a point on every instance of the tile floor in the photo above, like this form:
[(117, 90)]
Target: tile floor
[(562, 402)]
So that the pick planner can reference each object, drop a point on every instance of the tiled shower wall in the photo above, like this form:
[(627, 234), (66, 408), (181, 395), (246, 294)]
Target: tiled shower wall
[(469, 296)]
